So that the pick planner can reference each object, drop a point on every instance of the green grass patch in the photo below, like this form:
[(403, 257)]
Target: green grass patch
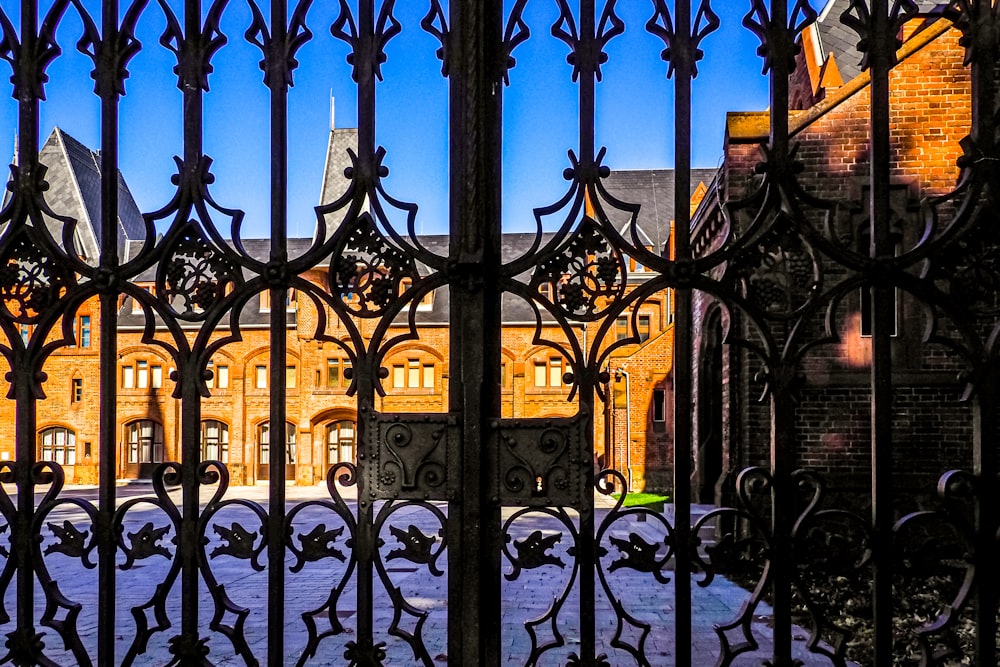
[(634, 499)]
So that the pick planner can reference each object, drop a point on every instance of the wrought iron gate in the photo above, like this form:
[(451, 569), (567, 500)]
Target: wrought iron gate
[(462, 468)]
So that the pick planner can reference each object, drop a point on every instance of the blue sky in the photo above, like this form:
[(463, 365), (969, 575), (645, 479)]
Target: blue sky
[(634, 110)]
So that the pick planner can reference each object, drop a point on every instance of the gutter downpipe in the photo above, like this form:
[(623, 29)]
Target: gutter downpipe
[(628, 424)]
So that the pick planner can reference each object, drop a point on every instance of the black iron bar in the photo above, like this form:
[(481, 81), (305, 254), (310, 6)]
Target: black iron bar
[(364, 540), (107, 544), (883, 316), (24, 372), (277, 435), (474, 529), (782, 406), (985, 48), (187, 547), (586, 557), (683, 319)]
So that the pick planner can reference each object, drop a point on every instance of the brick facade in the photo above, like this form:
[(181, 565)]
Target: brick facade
[(930, 107)]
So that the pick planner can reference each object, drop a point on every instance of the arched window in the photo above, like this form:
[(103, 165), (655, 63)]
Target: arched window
[(59, 445), (340, 441), (145, 441), (264, 443), (214, 441)]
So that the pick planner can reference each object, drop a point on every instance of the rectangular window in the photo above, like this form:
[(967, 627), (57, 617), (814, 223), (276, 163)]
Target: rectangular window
[(210, 382), (398, 376), (85, 331), (332, 373), (222, 377), (289, 377), (555, 372), (128, 377), (428, 376), (503, 374), (156, 377), (644, 328), (670, 306), (344, 379), (142, 374), (77, 390), (621, 328), (413, 373), (540, 370), (260, 377), (659, 405), (265, 301)]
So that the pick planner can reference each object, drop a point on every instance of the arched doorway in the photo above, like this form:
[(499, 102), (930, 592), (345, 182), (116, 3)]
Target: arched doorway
[(341, 442), (264, 451), (710, 409), (144, 448)]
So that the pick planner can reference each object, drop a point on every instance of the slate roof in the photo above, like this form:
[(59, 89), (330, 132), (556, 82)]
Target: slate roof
[(74, 177), (653, 190), (837, 38)]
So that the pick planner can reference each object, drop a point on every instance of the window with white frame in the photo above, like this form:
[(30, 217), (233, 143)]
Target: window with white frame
[(59, 445)]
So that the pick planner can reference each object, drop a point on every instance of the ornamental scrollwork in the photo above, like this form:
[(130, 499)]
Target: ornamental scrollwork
[(195, 274), (587, 274), (366, 271)]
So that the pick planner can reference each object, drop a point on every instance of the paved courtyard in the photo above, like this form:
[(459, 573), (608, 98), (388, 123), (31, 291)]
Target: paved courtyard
[(527, 593)]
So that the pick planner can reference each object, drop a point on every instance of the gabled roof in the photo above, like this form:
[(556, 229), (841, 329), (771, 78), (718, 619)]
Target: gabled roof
[(836, 38), (73, 172), (653, 190)]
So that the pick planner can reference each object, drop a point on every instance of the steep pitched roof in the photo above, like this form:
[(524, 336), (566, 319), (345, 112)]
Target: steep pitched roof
[(836, 38), (73, 172)]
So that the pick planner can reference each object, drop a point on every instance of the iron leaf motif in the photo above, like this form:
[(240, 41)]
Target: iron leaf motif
[(858, 18), (588, 272), (636, 554), (365, 653), (366, 271), (194, 52), (197, 275), (416, 546), (30, 281), (779, 43), (279, 62), (661, 24), (317, 545), (239, 542), (110, 59), (72, 541)]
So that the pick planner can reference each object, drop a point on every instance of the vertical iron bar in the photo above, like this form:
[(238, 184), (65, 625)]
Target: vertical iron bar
[(883, 318), (364, 544), (107, 544), (278, 427), (190, 394), (683, 325), (278, 436), (782, 407), (586, 556), (475, 98), (985, 427), (24, 375)]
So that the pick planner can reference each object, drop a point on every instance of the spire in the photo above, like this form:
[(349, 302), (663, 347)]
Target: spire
[(16, 149), (333, 121)]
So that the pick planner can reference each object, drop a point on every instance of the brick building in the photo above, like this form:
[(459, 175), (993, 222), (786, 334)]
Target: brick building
[(631, 434), (830, 98)]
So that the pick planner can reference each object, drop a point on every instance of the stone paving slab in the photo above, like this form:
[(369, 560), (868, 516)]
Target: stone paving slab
[(527, 594)]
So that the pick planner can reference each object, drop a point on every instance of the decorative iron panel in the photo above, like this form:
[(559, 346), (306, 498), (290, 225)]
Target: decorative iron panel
[(463, 498)]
